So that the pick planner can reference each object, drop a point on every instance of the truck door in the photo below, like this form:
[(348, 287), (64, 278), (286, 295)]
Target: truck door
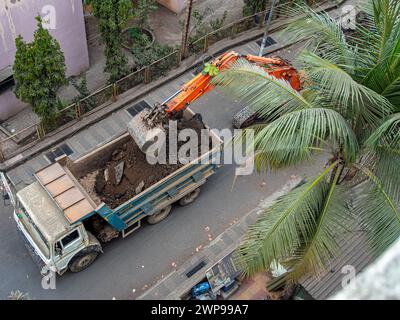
[(66, 247)]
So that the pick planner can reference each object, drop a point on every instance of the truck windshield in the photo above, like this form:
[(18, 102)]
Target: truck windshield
[(33, 231)]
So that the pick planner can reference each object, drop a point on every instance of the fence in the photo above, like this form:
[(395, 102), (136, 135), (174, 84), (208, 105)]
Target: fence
[(144, 76)]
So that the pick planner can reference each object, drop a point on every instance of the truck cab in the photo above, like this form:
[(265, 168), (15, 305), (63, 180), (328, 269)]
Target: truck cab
[(50, 238)]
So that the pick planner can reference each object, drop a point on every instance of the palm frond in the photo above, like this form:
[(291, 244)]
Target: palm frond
[(290, 139), (355, 101), (322, 33), (322, 246), (282, 228), (263, 93), (386, 15), (379, 214), (387, 136), (385, 143), (383, 74)]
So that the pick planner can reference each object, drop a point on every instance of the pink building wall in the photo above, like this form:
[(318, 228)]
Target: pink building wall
[(173, 5), (65, 21)]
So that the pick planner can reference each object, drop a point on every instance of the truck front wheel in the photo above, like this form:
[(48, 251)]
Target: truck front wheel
[(82, 261), (159, 216)]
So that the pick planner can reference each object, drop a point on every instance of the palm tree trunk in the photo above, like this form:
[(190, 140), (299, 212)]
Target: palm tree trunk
[(185, 34)]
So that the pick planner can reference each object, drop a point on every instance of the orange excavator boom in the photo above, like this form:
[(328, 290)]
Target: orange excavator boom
[(200, 84)]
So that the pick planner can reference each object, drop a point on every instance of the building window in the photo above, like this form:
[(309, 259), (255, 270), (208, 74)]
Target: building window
[(6, 79)]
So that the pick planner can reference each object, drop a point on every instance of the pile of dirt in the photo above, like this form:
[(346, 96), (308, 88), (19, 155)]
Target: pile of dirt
[(137, 175), (88, 183), (128, 173)]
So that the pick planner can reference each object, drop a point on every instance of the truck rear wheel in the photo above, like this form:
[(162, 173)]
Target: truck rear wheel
[(189, 198), (81, 262), (159, 216)]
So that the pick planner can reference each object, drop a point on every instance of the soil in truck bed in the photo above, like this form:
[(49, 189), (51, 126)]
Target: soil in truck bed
[(137, 175), (127, 172)]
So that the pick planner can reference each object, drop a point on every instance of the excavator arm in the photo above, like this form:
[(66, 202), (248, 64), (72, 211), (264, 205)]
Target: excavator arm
[(139, 126), (201, 84)]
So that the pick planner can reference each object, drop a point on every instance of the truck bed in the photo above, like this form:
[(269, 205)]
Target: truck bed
[(137, 175), (128, 202)]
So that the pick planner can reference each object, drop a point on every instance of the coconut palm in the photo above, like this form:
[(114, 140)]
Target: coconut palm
[(347, 109)]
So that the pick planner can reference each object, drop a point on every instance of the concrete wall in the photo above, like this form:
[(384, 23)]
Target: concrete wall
[(63, 18), (174, 5), (234, 7)]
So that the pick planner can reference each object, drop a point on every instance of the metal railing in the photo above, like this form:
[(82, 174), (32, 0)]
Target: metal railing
[(144, 75)]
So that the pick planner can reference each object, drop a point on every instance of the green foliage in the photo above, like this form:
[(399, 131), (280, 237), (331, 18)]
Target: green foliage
[(138, 37), (348, 109), (218, 23), (144, 7), (145, 57), (200, 27), (112, 16), (210, 69), (253, 6), (83, 90), (39, 71)]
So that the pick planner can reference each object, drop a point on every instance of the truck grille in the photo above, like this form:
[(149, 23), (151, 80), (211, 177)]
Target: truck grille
[(38, 261)]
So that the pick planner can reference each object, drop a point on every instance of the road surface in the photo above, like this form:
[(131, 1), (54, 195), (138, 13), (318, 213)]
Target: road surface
[(129, 266)]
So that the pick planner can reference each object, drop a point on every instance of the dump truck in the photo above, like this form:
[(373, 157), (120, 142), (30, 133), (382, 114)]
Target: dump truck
[(76, 205), (64, 222)]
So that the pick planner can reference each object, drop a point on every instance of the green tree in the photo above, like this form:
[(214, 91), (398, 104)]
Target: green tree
[(348, 109), (39, 71), (254, 6), (112, 16), (144, 7)]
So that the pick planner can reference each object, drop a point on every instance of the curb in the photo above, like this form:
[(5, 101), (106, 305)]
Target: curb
[(126, 98), (176, 284)]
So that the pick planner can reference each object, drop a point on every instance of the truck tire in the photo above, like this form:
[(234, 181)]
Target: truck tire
[(244, 118), (159, 216), (189, 198), (83, 261)]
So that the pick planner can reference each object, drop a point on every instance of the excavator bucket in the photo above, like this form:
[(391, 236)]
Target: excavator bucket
[(143, 134)]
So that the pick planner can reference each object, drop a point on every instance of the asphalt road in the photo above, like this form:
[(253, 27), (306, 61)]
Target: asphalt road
[(129, 266), (142, 258)]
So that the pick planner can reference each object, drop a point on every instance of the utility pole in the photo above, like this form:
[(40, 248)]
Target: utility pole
[(266, 29), (186, 28)]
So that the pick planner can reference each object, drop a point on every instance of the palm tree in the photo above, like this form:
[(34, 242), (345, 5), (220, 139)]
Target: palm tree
[(347, 109)]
